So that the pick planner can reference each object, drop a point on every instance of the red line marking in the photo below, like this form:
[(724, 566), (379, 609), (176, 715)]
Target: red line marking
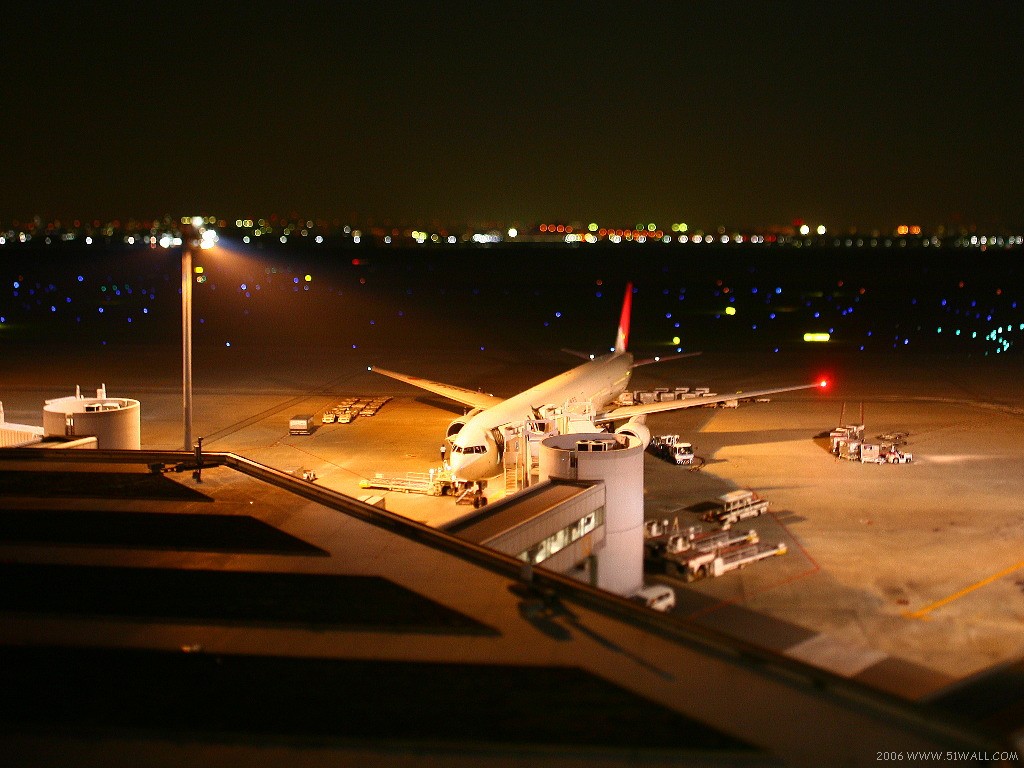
[(736, 601)]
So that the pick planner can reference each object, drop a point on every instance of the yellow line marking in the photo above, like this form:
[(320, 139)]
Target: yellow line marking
[(922, 612)]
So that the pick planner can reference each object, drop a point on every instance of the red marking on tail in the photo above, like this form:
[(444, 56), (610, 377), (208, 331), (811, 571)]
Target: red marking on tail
[(622, 338)]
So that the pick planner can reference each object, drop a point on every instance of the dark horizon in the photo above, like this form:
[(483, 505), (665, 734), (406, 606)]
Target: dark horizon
[(721, 114)]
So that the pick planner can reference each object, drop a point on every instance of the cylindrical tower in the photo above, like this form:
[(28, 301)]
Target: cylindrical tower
[(618, 461), (114, 421)]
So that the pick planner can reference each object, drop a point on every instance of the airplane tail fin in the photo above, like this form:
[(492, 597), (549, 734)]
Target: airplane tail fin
[(622, 337)]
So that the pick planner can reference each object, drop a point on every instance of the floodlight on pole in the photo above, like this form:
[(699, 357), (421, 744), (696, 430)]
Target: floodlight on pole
[(190, 239)]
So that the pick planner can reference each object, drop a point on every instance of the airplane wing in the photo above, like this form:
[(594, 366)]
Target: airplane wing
[(458, 394), (629, 411), (577, 353), (664, 358), (638, 363)]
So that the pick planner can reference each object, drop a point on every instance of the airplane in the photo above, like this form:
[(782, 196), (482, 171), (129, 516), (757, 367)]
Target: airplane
[(477, 440)]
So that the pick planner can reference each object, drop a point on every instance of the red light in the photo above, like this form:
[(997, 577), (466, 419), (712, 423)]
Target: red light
[(823, 383)]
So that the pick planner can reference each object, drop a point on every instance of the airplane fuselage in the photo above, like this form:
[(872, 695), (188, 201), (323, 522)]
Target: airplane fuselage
[(476, 451)]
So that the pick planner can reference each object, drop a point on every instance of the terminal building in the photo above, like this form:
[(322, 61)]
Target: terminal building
[(583, 518)]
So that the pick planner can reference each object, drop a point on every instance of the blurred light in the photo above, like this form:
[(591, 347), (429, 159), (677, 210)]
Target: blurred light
[(676, 339), (821, 229), (512, 232), (816, 337), (730, 310), (309, 278), (804, 229)]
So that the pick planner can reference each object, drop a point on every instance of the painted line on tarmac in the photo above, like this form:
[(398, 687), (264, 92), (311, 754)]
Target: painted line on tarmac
[(922, 613), (788, 580)]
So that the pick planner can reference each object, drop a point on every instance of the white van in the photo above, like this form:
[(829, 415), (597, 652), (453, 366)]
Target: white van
[(658, 596)]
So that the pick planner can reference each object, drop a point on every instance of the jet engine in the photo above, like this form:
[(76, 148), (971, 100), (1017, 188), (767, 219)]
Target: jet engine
[(456, 425), (636, 429)]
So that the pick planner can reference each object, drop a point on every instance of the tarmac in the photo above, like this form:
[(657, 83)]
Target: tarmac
[(908, 577)]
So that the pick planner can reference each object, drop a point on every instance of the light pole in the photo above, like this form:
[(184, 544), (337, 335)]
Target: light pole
[(189, 240)]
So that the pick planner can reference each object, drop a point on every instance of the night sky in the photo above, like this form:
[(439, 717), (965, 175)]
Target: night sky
[(726, 113)]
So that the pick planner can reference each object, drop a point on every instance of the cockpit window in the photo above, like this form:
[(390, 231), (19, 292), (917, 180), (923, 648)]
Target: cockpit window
[(469, 449)]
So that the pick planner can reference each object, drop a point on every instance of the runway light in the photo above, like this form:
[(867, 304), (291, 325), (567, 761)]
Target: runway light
[(730, 310), (816, 337)]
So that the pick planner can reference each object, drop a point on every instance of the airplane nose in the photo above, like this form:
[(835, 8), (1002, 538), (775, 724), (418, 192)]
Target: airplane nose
[(462, 467)]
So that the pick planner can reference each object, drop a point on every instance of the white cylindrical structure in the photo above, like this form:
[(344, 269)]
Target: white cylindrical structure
[(115, 422), (618, 461)]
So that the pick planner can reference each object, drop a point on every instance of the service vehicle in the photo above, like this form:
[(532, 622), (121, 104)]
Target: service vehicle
[(436, 482), (685, 555), (301, 424), (697, 565), (896, 456), (660, 597), (735, 506), (329, 417), (658, 532), (738, 557), (871, 453), (672, 448)]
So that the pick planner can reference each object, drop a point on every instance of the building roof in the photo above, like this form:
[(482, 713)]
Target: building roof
[(485, 524), (147, 617)]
